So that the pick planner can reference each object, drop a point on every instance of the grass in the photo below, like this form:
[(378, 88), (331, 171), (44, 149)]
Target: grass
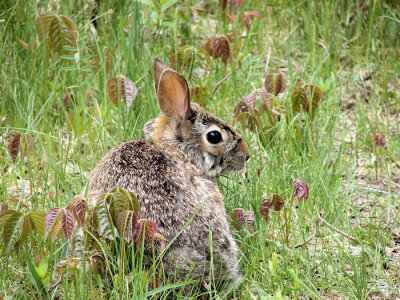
[(349, 49)]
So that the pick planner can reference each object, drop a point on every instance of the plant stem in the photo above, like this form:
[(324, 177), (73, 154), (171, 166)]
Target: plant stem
[(287, 223)]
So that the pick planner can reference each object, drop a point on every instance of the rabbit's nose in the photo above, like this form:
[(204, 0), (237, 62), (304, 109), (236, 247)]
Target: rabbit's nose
[(244, 148)]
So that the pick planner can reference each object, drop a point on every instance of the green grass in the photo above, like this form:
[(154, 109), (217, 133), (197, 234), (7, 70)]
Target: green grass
[(351, 52)]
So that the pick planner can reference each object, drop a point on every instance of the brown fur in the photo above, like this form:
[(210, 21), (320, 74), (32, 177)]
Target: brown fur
[(172, 178)]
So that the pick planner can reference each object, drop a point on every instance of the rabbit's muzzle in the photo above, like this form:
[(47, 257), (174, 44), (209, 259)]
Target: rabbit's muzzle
[(236, 159), (243, 148)]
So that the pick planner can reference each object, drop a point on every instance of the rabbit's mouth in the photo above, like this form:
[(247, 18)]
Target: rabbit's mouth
[(235, 164), (236, 159), (229, 164)]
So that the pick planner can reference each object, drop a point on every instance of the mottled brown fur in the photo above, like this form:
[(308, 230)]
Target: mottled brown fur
[(172, 178)]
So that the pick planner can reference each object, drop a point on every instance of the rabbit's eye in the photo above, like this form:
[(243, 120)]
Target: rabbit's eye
[(214, 137)]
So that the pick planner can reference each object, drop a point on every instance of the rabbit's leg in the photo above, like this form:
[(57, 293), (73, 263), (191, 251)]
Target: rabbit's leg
[(229, 268), (185, 262), (189, 263)]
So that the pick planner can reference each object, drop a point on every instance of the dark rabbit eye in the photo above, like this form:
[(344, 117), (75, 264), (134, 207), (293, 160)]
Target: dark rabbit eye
[(214, 137)]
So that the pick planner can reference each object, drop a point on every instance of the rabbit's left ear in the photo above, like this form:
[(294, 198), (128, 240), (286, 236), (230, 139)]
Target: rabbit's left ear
[(172, 93)]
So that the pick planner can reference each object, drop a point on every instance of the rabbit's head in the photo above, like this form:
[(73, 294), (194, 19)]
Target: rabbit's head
[(209, 143)]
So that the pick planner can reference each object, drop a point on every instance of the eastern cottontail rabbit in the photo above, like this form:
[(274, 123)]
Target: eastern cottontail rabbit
[(172, 179)]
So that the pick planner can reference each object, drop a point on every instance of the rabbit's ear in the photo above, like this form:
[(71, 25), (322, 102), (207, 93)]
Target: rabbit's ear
[(173, 95), (158, 68)]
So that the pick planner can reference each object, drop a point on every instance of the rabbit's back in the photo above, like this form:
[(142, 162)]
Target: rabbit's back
[(169, 189)]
